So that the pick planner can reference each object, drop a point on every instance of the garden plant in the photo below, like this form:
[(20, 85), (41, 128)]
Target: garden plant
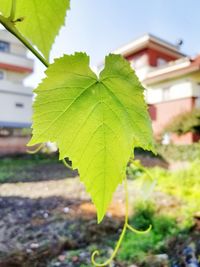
[(95, 120)]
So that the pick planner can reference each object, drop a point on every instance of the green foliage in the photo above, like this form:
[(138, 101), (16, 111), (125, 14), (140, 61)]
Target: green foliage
[(98, 119), (41, 20), (181, 188), (14, 169), (180, 152), (134, 172), (185, 122), (136, 247), (101, 119), (143, 215), (184, 186)]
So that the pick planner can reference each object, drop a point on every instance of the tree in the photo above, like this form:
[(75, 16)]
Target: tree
[(185, 123)]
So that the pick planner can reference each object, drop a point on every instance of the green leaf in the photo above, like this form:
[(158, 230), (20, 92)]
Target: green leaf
[(41, 20), (96, 122)]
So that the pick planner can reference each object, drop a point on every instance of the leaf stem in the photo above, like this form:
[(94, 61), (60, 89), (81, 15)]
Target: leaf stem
[(10, 26), (12, 11)]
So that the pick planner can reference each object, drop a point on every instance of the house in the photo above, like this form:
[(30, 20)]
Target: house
[(172, 80), (15, 98)]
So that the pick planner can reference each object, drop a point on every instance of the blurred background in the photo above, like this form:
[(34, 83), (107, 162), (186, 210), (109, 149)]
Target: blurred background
[(46, 217)]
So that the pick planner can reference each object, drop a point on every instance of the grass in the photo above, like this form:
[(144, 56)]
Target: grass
[(135, 248), (18, 167), (183, 188), (172, 153), (184, 185)]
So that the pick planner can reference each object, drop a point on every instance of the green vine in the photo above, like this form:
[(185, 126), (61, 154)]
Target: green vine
[(125, 227), (126, 223), (35, 150), (66, 164), (101, 85)]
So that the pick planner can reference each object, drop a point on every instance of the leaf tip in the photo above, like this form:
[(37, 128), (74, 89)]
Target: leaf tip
[(100, 217)]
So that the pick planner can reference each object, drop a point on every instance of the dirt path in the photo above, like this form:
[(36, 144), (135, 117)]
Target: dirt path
[(42, 222)]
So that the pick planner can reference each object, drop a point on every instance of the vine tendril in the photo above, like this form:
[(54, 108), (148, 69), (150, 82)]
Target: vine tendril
[(67, 164), (137, 163), (125, 227), (35, 150), (132, 229)]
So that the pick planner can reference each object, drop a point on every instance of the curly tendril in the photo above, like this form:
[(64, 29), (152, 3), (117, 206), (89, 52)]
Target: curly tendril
[(126, 224), (35, 150), (137, 164), (67, 164), (40, 147), (125, 227)]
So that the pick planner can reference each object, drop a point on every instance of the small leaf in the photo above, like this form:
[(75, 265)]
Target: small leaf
[(41, 20), (96, 122)]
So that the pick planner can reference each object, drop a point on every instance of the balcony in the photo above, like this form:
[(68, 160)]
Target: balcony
[(15, 63), (14, 88)]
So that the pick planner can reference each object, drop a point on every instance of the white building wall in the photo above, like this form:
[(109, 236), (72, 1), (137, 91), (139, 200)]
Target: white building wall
[(16, 60), (15, 109), (15, 98), (7, 86), (176, 89), (15, 77), (141, 66), (18, 49), (15, 45)]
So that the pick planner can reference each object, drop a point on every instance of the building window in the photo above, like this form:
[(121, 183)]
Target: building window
[(4, 46), (19, 105), (161, 62), (1, 75)]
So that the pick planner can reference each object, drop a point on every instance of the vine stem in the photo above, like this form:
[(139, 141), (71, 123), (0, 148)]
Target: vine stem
[(125, 227), (12, 11), (35, 150), (10, 26)]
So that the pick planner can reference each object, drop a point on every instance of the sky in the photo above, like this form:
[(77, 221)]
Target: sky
[(98, 27)]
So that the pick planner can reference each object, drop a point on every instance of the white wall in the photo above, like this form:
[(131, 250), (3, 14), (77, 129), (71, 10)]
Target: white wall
[(15, 99), (10, 113), (18, 49), (173, 90), (15, 77), (15, 45), (141, 66), (8, 86), (16, 60)]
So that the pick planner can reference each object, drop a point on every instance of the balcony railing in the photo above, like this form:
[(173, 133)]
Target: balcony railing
[(16, 61), (14, 88)]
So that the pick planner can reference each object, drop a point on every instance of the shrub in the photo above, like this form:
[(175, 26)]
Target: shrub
[(185, 122), (180, 152)]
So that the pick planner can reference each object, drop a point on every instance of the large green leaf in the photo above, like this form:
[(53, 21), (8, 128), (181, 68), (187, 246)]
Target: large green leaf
[(42, 20), (96, 122)]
